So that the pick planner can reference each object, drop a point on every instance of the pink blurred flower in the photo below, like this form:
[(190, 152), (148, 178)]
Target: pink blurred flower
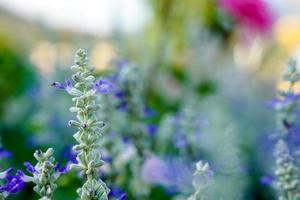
[(252, 14)]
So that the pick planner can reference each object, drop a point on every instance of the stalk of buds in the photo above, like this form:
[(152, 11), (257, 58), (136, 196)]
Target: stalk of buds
[(44, 173), (287, 180), (88, 126)]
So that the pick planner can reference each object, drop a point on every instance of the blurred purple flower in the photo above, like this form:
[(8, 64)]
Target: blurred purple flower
[(125, 139), (119, 94), (156, 171), (170, 173), (151, 129), (116, 193), (148, 112), (107, 159), (69, 154), (253, 14), (4, 153), (284, 103), (123, 106), (103, 86), (266, 180), (180, 140)]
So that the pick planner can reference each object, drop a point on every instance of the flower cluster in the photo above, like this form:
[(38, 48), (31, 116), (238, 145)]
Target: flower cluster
[(286, 172), (3, 189), (89, 127), (44, 173), (14, 183)]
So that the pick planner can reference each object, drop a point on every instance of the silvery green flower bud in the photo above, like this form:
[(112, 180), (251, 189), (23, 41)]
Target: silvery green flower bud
[(44, 173), (95, 190)]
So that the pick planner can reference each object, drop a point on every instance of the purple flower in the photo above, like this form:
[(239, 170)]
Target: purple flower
[(151, 129), (29, 167), (179, 140), (125, 139), (64, 169), (69, 154), (266, 180), (284, 103), (14, 183), (64, 86), (103, 86), (148, 112), (117, 193), (107, 159), (119, 94), (4, 153)]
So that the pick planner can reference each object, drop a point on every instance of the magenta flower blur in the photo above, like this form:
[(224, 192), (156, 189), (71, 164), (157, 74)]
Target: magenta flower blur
[(253, 14)]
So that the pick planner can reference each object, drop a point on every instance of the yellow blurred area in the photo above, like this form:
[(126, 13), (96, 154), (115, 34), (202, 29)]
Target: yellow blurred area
[(101, 54), (46, 55), (287, 32), (283, 86)]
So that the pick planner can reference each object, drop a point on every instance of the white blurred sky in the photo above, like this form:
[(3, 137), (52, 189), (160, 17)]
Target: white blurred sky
[(103, 16), (92, 16), (285, 7)]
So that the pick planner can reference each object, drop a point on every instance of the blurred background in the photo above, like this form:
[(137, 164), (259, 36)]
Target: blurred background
[(201, 68)]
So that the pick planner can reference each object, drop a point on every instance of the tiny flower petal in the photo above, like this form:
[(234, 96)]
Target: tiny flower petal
[(58, 85), (122, 197), (29, 167), (5, 173)]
